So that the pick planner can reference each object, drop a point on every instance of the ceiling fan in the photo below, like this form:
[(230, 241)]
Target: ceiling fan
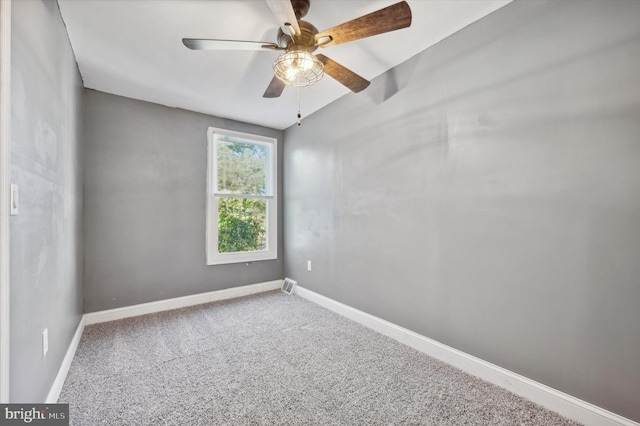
[(298, 66)]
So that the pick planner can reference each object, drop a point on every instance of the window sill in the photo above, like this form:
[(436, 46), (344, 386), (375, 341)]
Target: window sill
[(226, 259)]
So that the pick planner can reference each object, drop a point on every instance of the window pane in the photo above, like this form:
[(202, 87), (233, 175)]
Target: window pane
[(242, 167), (242, 225)]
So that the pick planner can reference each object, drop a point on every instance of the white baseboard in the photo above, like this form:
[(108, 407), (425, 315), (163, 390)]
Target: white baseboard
[(179, 302), (552, 399), (54, 392)]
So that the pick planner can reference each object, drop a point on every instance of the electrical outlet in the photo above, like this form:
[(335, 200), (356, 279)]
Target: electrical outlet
[(45, 342), (309, 265)]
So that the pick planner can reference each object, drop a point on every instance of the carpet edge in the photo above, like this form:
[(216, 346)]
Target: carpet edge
[(56, 387)]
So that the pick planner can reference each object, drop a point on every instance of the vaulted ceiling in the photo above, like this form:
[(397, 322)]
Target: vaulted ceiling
[(134, 48)]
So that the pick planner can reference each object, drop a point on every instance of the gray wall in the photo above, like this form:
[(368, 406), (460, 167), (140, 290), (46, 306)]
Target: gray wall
[(145, 195), (486, 194), (46, 239)]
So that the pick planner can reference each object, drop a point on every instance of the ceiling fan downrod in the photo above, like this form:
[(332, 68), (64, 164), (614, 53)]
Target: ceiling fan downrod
[(300, 7)]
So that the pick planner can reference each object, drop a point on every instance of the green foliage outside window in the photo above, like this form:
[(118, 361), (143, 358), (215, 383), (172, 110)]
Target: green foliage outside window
[(241, 225), (241, 221), (242, 168)]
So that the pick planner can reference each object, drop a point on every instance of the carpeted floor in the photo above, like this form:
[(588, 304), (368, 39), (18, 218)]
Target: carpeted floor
[(272, 359)]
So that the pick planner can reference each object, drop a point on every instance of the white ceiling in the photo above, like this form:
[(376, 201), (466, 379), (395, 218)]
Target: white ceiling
[(134, 48)]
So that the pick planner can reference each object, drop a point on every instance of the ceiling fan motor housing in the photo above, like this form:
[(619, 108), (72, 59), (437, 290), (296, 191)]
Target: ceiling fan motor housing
[(305, 41)]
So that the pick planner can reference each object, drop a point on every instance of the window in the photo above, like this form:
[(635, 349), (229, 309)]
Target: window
[(241, 197)]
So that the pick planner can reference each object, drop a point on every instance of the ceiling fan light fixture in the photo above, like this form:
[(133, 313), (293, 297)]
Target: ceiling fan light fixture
[(298, 68)]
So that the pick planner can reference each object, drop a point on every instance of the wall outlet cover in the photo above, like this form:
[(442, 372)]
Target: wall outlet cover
[(45, 342)]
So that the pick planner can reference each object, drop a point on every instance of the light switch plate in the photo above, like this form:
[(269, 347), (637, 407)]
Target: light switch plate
[(14, 200)]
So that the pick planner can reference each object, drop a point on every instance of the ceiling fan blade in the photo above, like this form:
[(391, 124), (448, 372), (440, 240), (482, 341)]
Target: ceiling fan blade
[(343, 75), (283, 10), (275, 88), (390, 18), (213, 44)]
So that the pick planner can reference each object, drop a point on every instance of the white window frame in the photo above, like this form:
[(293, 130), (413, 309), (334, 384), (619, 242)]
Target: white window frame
[(271, 252)]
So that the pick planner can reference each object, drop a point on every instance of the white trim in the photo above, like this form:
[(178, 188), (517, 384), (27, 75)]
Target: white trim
[(552, 399), (211, 235), (56, 388), (179, 302), (5, 138)]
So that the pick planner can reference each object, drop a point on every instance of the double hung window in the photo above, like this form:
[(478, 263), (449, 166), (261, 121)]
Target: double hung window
[(241, 197)]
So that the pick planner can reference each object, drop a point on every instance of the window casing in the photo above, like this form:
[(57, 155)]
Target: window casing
[(242, 198)]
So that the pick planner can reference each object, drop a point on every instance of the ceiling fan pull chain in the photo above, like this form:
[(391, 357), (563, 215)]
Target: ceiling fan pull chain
[(299, 116)]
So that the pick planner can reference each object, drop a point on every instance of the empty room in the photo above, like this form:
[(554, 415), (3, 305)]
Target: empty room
[(310, 212)]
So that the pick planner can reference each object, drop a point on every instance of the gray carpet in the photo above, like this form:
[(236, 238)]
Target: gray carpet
[(272, 359)]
